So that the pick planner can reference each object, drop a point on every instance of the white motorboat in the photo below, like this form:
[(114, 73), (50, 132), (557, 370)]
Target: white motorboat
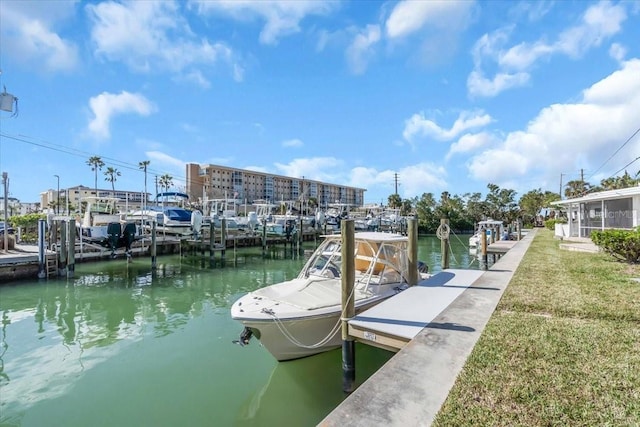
[(102, 224), (301, 317), (486, 225)]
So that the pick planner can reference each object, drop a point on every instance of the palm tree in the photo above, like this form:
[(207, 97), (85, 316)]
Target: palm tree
[(166, 181), (143, 165), (96, 164), (111, 174)]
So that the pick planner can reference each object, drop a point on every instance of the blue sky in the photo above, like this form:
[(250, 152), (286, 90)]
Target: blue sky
[(450, 96)]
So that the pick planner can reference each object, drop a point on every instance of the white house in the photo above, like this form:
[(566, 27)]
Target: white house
[(599, 211)]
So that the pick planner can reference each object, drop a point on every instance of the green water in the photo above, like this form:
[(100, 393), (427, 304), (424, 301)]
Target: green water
[(118, 345)]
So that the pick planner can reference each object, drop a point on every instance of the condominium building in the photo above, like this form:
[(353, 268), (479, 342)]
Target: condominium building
[(205, 182)]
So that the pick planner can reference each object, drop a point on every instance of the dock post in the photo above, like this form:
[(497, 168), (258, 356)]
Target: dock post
[(444, 243), (62, 249), (42, 254), (71, 259), (300, 237), (412, 232), (223, 237), (519, 227), (348, 305), (264, 238), (153, 245), (483, 246), (212, 243)]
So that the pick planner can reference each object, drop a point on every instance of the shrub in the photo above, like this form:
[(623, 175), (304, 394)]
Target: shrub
[(621, 244)]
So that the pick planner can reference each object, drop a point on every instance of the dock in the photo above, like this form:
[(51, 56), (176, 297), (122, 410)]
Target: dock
[(397, 320), (433, 333)]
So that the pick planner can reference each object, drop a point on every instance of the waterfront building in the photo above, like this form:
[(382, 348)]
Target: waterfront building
[(70, 199), (599, 211), (206, 182)]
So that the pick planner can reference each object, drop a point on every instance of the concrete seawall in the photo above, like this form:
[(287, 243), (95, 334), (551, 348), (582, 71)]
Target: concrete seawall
[(412, 386)]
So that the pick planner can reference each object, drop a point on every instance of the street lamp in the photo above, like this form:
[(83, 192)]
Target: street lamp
[(57, 194)]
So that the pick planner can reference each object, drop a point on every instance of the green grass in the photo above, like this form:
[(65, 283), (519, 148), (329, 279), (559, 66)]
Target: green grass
[(561, 349)]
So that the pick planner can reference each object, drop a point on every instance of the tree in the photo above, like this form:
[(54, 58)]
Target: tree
[(143, 165), (96, 164), (576, 188), (111, 174), (394, 201), (166, 181), (501, 203)]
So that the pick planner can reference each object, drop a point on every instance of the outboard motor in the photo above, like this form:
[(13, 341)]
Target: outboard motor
[(245, 336), (114, 230)]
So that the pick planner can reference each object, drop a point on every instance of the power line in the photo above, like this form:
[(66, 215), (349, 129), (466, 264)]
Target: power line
[(83, 154), (625, 166), (616, 152)]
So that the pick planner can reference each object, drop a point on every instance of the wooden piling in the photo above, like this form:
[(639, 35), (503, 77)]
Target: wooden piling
[(348, 274), (153, 246), (483, 246), (223, 237), (62, 249), (412, 231), (71, 259), (42, 254), (444, 243)]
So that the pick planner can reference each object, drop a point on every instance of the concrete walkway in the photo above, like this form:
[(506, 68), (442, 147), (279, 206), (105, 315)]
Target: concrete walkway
[(412, 386)]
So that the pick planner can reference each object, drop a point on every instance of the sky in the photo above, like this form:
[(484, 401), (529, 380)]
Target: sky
[(422, 96)]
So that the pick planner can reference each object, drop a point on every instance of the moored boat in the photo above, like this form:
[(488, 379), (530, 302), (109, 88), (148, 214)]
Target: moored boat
[(301, 317)]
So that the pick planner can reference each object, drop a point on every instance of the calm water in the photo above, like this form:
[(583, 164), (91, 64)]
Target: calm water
[(118, 345)]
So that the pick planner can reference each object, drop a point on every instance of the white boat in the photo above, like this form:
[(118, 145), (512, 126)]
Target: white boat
[(102, 224), (475, 242), (301, 317)]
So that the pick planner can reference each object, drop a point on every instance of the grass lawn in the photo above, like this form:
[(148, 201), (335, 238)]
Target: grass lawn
[(561, 349)]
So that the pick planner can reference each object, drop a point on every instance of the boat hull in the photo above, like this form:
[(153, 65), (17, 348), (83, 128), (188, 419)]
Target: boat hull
[(294, 338)]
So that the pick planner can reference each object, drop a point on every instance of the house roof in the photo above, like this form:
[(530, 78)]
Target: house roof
[(602, 195)]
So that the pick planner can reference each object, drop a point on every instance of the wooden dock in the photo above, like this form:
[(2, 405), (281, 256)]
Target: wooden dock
[(397, 320)]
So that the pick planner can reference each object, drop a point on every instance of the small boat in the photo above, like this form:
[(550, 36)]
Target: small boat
[(301, 317), (103, 225), (171, 214), (475, 242)]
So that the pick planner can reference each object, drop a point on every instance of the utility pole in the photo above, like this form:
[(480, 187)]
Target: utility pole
[(395, 178), (561, 175)]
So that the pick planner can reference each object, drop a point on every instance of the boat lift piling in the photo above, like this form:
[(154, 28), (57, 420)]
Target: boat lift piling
[(444, 242), (62, 252), (348, 275), (42, 254), (71, 257), (483, 246), (412, 251), (153, 246)]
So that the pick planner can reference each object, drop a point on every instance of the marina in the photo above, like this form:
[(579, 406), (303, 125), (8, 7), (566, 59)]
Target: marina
[(159, 346)]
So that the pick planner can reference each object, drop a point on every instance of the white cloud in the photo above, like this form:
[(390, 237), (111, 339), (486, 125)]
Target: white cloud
[(28, 35), (617, 52), (479, 85), (599, 22), (326, 169), (471, 142), (154, 37), (161, 160), (413, 180), (292, 143), (107, 105), (419, 126), (281, 17), (572, 136), (408, 17), (361, 49)]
